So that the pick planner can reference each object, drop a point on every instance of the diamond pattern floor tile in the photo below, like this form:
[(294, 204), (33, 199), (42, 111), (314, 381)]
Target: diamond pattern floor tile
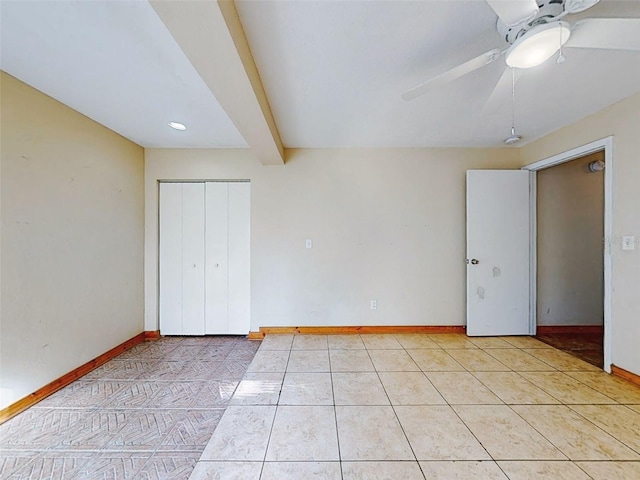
[(11, 463), (48, 430), (193, 431), (146, 415), (84, 394), (168, 466), (143, 429), (50, 467), (113, 466)]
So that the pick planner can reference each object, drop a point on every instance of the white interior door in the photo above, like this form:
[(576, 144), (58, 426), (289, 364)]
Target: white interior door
[(182, 259), (498, 252)]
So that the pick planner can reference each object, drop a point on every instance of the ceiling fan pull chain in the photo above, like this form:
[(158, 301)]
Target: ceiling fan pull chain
[(514, 138), (513, 101), (561, 58)]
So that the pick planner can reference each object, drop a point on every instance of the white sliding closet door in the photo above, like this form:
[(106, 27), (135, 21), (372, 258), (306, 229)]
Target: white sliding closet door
[(182, 259)]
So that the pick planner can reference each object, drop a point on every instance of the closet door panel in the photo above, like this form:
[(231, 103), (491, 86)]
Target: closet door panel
[(217, 268), (170, 268), (239, 257), (193, 259)]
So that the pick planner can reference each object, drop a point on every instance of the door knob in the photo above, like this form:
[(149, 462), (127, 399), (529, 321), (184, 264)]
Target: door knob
[(474, 261)]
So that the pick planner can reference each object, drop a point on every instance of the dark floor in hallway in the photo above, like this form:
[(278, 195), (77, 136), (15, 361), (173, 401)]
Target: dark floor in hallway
[(586, 346)]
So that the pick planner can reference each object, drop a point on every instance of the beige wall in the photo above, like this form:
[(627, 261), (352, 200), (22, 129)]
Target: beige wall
[(621, 120), (570, 251), (72, 240), (386, 225)]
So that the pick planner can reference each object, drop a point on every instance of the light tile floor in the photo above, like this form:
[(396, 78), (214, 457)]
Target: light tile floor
[(422, 407), (147, 414), (338, 407)]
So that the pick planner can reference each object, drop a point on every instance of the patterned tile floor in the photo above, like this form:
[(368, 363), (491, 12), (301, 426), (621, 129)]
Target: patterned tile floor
[(147, 414), (422, 407)]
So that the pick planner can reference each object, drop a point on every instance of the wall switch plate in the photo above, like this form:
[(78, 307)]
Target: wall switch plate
[(308, 243), (628, 242), (374, 304)]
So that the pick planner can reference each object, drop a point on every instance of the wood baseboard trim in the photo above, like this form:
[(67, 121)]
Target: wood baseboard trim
[(352, 330), (553, 329), (625, 374), (42, 393), (151, 335)]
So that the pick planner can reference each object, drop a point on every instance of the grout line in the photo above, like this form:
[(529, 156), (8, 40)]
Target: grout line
[(277, 407), (523, 378), (335, 411), (404, 433), (633, 449), (460, 418), (540, 433), (578, 465)]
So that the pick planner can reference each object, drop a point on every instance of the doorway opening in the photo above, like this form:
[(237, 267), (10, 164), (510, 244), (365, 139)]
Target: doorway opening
[(570, 253), (560, 305)]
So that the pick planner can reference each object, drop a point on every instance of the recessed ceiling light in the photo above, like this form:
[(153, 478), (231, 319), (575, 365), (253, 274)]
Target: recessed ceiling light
[(177, 126)]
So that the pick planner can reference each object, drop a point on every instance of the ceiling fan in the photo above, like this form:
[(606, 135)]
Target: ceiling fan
[(535, 31)]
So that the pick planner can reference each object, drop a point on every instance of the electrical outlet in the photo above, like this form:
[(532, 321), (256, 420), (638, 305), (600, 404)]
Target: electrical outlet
[(308, 243), (628, 242), (374, 304)]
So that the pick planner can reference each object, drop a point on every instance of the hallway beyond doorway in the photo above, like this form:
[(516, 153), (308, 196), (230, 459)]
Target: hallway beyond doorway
[(586, 346)]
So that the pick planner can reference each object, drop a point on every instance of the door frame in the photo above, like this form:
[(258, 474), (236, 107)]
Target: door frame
[(606, 145)]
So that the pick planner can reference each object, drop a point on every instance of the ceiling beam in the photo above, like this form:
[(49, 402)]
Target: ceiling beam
[(211, 36)]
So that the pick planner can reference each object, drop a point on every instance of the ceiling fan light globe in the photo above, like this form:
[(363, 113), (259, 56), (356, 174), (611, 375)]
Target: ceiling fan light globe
[(538, 45)]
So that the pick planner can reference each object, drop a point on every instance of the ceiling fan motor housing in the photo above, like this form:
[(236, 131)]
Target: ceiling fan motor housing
[(549, 10)]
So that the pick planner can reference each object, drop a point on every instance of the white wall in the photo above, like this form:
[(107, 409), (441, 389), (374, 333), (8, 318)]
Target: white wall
[(386, 225), (72, 240), (621, 120), (570, 250)]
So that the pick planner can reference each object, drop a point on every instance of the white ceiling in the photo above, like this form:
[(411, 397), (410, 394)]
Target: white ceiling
[(115, 62), (333, 72)]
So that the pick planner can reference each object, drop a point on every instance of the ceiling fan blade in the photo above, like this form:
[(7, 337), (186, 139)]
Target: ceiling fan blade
[(450, 75), (577, 6), (501, 93), (513, 12), (608, 33)]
